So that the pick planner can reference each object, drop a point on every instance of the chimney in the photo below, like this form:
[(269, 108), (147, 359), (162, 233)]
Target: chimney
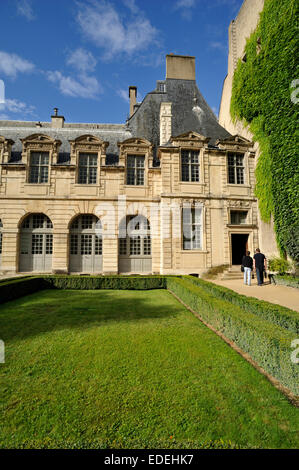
[(165, 122), (132, 96), (180, 67), (57, 121)]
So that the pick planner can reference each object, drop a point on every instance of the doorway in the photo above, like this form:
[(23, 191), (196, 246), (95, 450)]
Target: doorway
[(239, 243)]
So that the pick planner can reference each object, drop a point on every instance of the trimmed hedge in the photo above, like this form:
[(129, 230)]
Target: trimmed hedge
[(13, 289), (281, 316), (267, 344), (105, 282), (285, 280)]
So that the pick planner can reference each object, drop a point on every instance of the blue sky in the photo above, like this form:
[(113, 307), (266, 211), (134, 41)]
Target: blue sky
[(82, 55)]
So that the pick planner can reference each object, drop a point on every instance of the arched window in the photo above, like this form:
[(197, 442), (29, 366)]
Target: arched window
[(86, 244), (36, 244), (135, 251)]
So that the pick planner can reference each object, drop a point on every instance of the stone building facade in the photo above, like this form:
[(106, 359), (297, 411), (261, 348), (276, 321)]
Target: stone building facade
[(169, 191), (239, 30)]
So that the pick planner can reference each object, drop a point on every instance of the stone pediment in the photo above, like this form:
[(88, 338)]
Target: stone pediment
[(234, 140), (135, 141), (3, 140), (88, 139), (191, 135), (39, 138), (190, 138)]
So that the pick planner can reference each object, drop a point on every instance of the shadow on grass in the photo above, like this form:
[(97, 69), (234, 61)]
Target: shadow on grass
[(51, 310)]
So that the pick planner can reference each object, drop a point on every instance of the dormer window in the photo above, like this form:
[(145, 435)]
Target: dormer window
[(88, 167), (190, 166), (135, 170), (161, 86), (39, 167)]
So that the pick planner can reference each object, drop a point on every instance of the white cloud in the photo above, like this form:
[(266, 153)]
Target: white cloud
[(101, 23), (24, 8), (185, 7), (220, 46), (82, 60), (84, 87), (124, 94), (12, 64), (15, 106), (215, 111)]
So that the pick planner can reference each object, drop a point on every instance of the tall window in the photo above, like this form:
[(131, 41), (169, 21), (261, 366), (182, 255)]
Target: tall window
[(138, 239), (39, 167), (135, 170), (192, 228), (190, 165), (88, 164), (235, 168)]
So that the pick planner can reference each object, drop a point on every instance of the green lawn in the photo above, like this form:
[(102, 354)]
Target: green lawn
[(129, 369)]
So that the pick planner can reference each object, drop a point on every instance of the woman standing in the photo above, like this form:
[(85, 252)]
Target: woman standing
[(247, 262)]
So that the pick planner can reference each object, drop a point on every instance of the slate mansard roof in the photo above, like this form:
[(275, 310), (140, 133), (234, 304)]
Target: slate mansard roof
[(113, 133), (190, 112)]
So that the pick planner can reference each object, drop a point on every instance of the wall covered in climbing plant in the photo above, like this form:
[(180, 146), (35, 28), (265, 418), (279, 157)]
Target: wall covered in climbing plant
[(265, 98)]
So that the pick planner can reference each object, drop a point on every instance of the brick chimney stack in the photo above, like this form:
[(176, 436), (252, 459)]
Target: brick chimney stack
[(132, 96)]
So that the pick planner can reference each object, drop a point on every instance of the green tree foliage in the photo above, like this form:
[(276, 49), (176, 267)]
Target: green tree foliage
[(261, 98)]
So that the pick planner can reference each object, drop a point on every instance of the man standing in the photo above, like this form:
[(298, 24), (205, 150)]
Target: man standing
[(260, 265), (247, 263)]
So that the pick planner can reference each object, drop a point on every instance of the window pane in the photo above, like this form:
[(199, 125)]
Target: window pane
[(98, 245), (147, 245), (131, 161), (185, 173), (235, 169), (135, 169), (140, 177), (86, 221), (240, 176), (37, 244), (238, 217), (92, 175), (34, 158), (74, 244), (87, 171), (190, 165), (38, 221), (44, 158), (86, 244), (140, 162), (192, 223), (123, 246), (49, 244), (135, 246), (130, 176), (39, 167), (33, 174), (82, 175), (44, 174), (194, 173)]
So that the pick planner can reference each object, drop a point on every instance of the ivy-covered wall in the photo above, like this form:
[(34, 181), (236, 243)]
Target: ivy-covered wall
[(263, 98)]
